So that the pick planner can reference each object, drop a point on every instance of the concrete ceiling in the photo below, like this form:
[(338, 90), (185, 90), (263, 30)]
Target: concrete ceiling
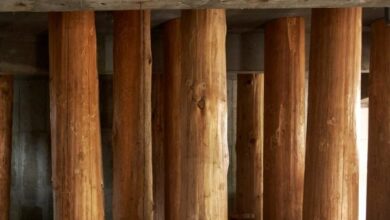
[(23, 37), (238, 20)]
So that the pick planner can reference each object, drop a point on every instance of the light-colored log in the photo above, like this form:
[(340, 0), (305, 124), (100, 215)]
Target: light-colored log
[(158, 145), (75, 125), (172, 66), (284, 118), (378, 188), (6, 98), (249, 146), (203, 116), (132, 130), (108, 5), (331, 175)]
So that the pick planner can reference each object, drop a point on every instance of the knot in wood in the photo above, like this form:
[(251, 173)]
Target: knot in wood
[(201, 103)]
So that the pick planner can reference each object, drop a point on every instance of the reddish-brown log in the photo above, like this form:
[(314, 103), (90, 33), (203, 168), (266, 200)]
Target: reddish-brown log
[(331, 175), (378, 188), (158, 115), (172, 78), (284, 118), (6, 98), (75, 124), (132, 130), (203, 116), (249, 146)]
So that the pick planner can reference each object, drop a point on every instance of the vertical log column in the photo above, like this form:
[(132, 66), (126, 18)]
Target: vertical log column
[(75, 125), (378, 189), (6, 98), (284, 118), (331, 175), (249, 146), (172, 66), (203, 116), (158, 102), (132, 130)]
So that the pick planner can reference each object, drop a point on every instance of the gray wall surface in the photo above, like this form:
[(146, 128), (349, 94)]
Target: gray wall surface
[(31, 191), (31, 185)]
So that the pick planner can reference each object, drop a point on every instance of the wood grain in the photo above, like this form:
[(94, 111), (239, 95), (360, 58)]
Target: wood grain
[(158, 145), (172, 68), (74, 110), (132, 129), (331, 175), (249, 146), (203, 116), (6, 102), (284, 118), (378, 188)]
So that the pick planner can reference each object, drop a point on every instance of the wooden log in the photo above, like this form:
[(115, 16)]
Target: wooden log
[(158, 145), (6, 100), (75, 125), (249, 145), (284, 118), (378, 188), (172, 66), (132, 129), (331, 175), (203, 116)]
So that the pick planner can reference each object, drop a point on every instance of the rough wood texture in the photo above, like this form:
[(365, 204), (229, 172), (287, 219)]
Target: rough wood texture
[(132, 130), (203, 117), (172, 65), (249, 146), (107, 5), (331, 175), (6, 101), (284, 118), (378, 189), (75, 125), (158, 102)]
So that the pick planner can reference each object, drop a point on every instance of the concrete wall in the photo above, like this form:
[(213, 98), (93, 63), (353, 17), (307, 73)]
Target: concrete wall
[(31, 190), (31, 185)]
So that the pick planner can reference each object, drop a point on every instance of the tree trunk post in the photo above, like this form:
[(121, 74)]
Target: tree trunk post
[(6, 100), (75, 124), (331, 175), (132, 129), (203, 116), (378, 185), (249, 146), (284, 118)]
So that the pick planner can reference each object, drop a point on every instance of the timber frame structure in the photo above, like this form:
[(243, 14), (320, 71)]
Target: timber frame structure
[(201, 119), (104, 5)]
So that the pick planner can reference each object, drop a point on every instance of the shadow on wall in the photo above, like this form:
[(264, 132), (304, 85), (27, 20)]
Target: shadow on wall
[(31, 190)]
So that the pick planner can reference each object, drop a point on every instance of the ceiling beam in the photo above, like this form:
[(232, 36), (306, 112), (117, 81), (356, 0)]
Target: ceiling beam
[(72, 5)]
